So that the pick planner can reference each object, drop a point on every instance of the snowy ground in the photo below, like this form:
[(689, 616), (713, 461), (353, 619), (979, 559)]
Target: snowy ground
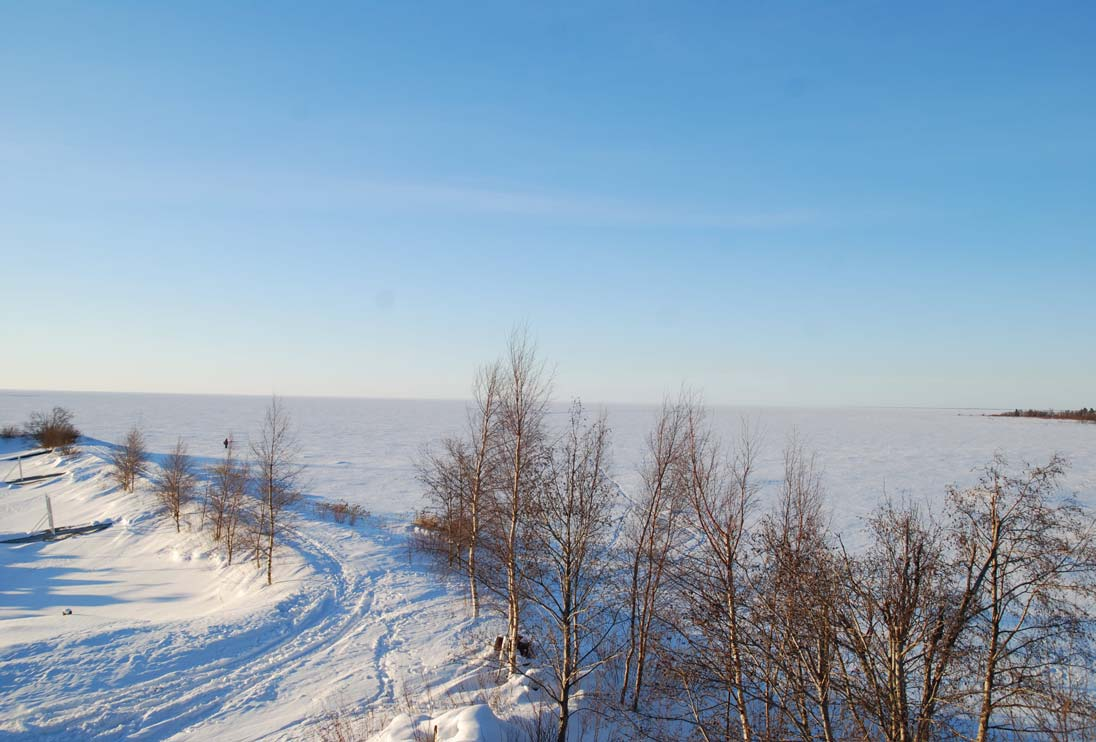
[(166, 641)]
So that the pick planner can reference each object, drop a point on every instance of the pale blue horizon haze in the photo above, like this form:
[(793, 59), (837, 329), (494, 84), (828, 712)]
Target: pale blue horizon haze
[(779, 204)]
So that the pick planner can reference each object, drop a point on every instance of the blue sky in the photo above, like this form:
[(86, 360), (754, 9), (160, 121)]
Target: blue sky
[(804, 203)]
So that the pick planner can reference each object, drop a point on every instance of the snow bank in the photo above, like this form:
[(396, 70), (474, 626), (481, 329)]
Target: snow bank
[(470, 724)]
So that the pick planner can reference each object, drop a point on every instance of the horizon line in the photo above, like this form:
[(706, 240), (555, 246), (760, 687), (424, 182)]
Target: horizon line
[(616, 403)]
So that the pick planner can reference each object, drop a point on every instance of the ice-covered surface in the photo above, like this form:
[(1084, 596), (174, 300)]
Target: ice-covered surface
[(164, 640), (364, 450)]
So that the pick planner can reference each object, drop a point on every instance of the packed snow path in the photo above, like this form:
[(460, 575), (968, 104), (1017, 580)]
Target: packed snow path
[(351, 621)]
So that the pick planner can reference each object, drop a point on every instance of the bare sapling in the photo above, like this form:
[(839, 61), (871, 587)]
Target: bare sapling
[(225, 501), (176, 482), (278, 475), (129, 461)]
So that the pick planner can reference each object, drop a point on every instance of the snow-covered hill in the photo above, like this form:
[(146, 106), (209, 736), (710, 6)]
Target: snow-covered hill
[(165, 640)]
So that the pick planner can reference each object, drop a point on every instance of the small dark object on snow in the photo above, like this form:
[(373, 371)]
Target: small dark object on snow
[(525, 646), (226, 442), (36, 478), (59, 533), (66, 612)]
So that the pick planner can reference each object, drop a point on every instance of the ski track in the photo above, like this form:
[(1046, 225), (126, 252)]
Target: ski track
[(151, 682)]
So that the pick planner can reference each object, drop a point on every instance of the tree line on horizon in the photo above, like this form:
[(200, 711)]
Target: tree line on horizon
[(685, 608), (1084, 414)]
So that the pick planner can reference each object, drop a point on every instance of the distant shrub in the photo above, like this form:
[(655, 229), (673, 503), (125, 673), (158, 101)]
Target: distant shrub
[(53, 429), (11, 431), (341, 512)]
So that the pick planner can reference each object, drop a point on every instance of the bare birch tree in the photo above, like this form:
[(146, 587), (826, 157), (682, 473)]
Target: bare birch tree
[(649, 539), (523, 402), (567, 584), (714, 581), (278, 475), (130, 460), (1034, 571), (484, 471), (901, 626), (799, 598), (176, 483)]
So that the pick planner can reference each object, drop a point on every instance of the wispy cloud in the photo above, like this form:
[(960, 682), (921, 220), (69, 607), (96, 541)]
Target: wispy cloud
[(471, 198), (75, 180)]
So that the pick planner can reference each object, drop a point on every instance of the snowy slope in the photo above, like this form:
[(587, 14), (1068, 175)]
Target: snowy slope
[(164, 640)]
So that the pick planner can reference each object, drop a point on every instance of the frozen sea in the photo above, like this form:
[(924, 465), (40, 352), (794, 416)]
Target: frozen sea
[(365, 450)]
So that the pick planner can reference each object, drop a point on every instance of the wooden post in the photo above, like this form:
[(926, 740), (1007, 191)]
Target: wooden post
[(49, 512)]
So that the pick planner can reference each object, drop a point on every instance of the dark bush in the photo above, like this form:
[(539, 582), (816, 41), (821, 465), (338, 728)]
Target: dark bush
[(53, 429)]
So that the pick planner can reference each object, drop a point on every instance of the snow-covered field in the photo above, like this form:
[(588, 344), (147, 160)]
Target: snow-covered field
[(165, 640)]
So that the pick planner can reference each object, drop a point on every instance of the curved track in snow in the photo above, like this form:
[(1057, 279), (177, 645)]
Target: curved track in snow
[(338, 639)]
